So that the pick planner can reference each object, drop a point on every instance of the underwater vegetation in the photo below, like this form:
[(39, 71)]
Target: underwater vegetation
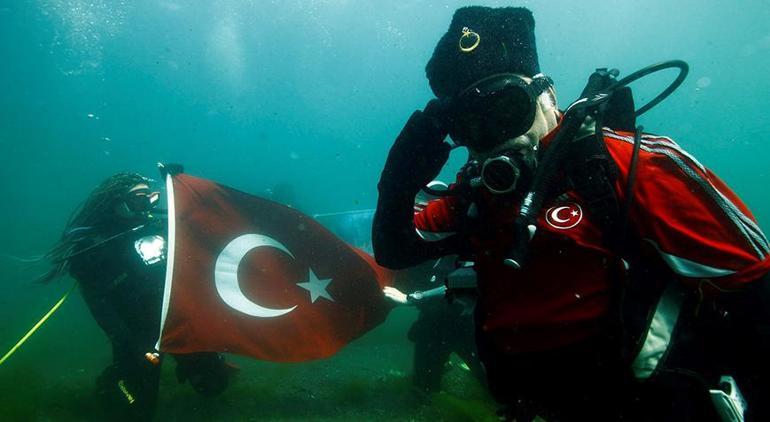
[(368, 380)]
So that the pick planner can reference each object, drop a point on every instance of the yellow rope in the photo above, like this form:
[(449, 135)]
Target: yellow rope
[(39, 323)]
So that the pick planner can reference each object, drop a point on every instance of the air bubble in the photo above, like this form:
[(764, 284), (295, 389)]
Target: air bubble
[(703, 82)]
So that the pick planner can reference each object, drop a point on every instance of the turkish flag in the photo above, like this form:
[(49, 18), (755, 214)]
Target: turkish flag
[(249, 276)]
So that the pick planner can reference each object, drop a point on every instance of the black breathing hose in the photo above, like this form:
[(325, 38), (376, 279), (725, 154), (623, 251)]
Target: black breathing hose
[(526, 222), (683, 67)]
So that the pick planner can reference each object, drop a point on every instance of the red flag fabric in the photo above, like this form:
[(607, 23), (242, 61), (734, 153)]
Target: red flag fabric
[(249, 276)]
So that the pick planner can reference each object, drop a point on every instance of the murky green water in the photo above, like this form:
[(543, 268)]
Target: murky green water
[(308, 94)]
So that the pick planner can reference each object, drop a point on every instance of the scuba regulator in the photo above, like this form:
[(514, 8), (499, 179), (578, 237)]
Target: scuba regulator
[(606, 101), (601, 90)]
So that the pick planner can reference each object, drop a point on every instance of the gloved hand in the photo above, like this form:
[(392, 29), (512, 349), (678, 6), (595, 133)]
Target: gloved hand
[(419, 151), (395, 295)]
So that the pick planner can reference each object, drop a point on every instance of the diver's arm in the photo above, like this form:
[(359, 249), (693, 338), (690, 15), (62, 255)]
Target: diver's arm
[(394, 235), (124, 347), (95, 273), (415, 159)]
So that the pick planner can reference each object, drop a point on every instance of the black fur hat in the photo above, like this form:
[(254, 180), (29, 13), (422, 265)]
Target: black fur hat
[(506, 44)]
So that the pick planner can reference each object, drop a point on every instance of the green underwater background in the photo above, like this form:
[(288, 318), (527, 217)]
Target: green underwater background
[(302, 96)]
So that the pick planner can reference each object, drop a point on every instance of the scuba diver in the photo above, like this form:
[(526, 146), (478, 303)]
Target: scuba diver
[(441, 328), (444, 324), (617, 277), (115, 247)]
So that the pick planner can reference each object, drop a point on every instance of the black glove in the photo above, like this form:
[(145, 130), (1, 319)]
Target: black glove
[(618, 112), (600, 80), (418, 153)]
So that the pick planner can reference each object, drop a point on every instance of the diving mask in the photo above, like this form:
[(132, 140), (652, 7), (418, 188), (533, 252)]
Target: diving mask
[(138, 201), (495, 109)]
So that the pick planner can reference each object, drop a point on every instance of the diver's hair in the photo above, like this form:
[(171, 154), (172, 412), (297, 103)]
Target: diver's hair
[(94, 216)]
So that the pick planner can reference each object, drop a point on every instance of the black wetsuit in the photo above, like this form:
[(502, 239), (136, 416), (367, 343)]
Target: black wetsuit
[(123, 291), (441, 328)]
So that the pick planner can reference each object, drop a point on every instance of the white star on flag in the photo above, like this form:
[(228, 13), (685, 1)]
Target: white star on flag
[(316, 287)]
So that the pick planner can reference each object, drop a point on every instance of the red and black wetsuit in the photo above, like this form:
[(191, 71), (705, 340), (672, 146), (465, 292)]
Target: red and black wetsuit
[(556, 307)]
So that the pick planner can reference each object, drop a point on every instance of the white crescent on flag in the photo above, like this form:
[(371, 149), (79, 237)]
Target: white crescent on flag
[(226, 275)]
